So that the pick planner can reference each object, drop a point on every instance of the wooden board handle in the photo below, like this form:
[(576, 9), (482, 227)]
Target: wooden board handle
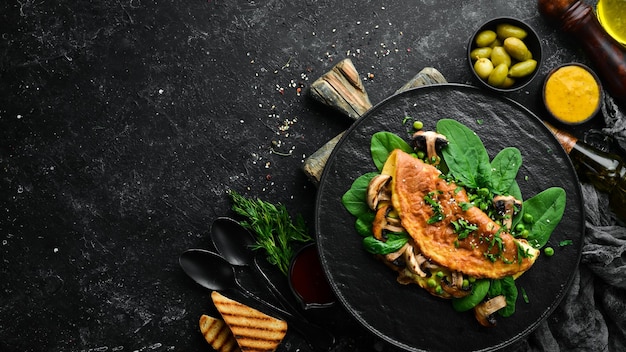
[(342, 89)]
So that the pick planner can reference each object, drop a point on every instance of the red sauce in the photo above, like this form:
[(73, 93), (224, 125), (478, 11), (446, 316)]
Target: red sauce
[(307, 278)]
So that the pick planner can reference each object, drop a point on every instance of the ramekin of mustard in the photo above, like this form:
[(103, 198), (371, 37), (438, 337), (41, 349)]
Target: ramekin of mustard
[(572, 93)]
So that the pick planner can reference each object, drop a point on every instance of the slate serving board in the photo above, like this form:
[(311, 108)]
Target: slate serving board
[(407, 316)]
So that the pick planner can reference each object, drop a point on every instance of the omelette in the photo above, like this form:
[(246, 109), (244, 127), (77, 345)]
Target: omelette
[(427, 205)]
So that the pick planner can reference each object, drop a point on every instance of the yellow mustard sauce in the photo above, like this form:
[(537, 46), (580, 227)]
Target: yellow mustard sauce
[(572, 94)]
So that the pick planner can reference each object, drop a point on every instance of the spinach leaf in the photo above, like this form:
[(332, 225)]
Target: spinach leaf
[(465, 155), (547, 210), (363, 224), (354, 199), (394, 242), (479, 291), (509, 290), (516, 192), (504, 168), (383, 143), (506, 287), (495, 288)]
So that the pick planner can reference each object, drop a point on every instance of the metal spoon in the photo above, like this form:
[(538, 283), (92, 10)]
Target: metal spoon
[(212, 271), (234, 242)]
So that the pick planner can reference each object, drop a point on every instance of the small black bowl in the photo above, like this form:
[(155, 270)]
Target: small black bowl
[(571, 95), (308, 281), (532, 43)]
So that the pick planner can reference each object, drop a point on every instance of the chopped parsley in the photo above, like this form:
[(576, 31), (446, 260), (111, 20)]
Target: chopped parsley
[(524, 295), (566, 243), (438, 215), (522, 253), (463, 228), (465, 205)]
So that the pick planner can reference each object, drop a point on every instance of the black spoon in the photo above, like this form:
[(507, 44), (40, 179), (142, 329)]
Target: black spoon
[(234, 242), (212, 271)]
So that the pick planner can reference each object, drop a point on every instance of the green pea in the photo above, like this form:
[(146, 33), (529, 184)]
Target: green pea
[(528, 218), (418, 125), (519, 227), (525, 233), (505, 30), (421, 154), (483, 67), (522, 69), (485, 38), (439, 274), (466, 284), (483, 192), (431, 282), (498, 75), (439, 290), (484, 52), (517, 49), (548, 251)]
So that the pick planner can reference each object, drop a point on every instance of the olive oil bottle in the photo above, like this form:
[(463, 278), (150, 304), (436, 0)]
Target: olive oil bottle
[(605, 171), (612, 16)]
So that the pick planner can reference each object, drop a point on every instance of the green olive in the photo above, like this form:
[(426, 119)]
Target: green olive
[(523, 69), (495, 43), (500, 56), (483, 67), (508, 82), (485, 38), (478, 53), (505, 30), (517, 49), (498, 75)]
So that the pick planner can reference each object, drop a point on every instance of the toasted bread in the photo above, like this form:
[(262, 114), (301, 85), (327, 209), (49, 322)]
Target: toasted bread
[(218, 335), (253, 330)]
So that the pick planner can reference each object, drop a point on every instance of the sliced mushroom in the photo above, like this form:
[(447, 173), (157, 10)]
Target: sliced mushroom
[(380, 221), (383, 222), (394, 221), (430, 141), (484, 311), (377, 190), (506, 208), (397, 254), (414, 261), (455, 286)]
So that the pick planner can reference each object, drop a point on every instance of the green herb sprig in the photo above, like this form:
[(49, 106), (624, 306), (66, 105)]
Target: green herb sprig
[(275, 231)]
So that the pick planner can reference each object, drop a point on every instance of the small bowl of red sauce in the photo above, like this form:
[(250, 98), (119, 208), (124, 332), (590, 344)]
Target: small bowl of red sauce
[(307, 279)]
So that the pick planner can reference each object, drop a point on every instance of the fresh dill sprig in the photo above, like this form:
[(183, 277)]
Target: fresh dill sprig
[(274, 228)]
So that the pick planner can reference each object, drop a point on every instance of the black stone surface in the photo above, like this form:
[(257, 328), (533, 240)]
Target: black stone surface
[(123, 123)]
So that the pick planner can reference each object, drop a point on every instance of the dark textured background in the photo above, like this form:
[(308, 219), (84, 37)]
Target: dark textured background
[(123, 123)]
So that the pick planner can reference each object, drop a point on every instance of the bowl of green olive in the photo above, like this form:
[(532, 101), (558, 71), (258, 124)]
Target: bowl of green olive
[(504, 54)]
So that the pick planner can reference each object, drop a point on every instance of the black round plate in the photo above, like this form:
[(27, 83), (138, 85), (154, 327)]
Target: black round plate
[(407, 316)]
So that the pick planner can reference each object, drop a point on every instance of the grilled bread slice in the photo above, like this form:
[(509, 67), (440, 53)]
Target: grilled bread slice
[(218, 335), (254, 331)]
